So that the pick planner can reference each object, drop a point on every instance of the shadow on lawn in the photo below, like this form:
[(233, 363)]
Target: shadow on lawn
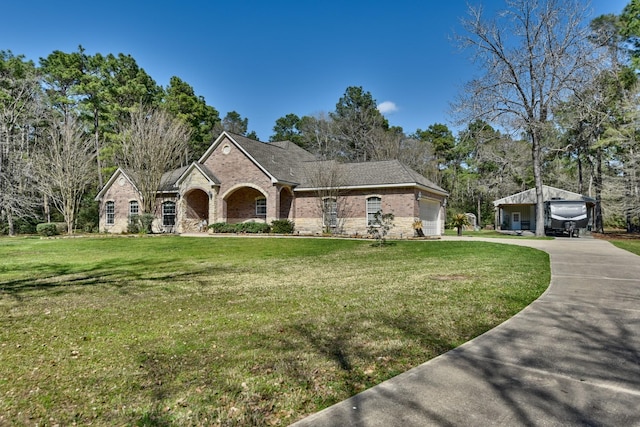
[(61, 278), (353, 358), (571, 358)]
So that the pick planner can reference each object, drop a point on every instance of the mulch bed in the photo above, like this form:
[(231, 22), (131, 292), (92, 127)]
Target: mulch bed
[(621, 235)]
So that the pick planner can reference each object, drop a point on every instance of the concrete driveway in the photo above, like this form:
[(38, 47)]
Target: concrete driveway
[(572, 358)]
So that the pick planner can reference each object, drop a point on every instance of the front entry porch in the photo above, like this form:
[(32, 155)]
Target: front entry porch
[(195, 216)]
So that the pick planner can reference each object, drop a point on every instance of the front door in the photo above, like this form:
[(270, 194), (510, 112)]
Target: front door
[(515, 221)]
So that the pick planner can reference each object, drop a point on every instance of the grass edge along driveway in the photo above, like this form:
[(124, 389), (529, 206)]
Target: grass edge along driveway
[(235, 331)]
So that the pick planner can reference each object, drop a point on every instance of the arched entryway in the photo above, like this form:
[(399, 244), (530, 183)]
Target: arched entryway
[(245, 204), (196, 213)]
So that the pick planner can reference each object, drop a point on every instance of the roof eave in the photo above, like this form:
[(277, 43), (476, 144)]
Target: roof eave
[(373, 186)]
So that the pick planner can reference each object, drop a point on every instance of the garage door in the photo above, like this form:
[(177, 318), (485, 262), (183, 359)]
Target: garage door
[(430, 216)]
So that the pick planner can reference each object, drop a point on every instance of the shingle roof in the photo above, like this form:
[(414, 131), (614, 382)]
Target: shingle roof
[(367, 174), (169, 179), (289, 163), (528, 197), (279, 159)]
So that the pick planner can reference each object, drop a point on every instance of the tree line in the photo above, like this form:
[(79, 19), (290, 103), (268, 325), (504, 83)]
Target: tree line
[(556, 103)]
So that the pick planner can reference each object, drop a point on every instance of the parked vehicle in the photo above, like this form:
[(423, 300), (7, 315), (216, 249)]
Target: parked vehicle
[(565, 217)]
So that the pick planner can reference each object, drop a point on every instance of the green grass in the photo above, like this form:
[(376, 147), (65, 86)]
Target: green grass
[(632, 246), (491, 234), (235, 331)]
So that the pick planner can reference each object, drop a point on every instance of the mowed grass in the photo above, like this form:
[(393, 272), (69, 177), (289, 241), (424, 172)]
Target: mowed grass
[(632, 246), (235, 331)]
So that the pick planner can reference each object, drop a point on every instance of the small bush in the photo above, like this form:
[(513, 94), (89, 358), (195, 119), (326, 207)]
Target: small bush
[(282, 226), (134, 224), (47, 229), (61, 227), (380, 226), (243, 227), (146, 220), (222, 227), (253, 227)]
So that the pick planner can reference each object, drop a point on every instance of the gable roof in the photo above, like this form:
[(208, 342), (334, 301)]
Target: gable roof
[(528, 197), (203, 169), (276, 159), (287, 163), (109, 183)]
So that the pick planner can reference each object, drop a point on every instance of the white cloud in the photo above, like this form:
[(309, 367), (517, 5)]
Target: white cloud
[(387, 107)]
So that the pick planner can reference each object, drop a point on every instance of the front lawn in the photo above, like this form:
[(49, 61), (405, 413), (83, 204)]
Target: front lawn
[(235, 331), (630, 245), (493, 234)]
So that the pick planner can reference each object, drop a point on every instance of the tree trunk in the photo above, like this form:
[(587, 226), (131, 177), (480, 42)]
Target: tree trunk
[(12, 231), (580, 179), (537, 174), (47, 209), (628, 202), (598, 185)]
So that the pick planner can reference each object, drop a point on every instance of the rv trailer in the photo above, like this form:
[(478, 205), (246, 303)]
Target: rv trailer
[(565, 217)]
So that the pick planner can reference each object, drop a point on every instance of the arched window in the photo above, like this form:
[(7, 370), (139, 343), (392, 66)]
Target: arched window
[(374, 205), (168, 213), (110, 213)]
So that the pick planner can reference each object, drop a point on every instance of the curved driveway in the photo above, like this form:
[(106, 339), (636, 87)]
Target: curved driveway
[(570, 358)]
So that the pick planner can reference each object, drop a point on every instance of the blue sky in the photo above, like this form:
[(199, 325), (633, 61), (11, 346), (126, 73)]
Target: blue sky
[(265, 59)]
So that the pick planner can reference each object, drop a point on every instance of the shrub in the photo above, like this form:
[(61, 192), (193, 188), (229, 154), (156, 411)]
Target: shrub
[(133, 226), (222, 227), (47, 229), (253, 227), (146, 220), (61, 227), (243, 227), (380, 226), (459, 221), (282, 226)]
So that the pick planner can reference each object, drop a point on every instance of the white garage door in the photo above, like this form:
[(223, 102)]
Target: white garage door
[(430, 216)]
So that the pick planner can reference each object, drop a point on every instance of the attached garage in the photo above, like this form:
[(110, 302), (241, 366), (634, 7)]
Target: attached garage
[(430, 217)]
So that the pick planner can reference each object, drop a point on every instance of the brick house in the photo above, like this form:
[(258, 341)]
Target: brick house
[(238, 179)]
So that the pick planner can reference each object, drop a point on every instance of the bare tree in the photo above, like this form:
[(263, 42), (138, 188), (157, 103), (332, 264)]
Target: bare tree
[(327, 179), (152, 143), (534, 55), (19, 110), (319, 136), (64, 166)]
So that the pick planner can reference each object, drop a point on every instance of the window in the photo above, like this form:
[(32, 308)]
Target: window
[(110, 211), (374, 205), (261, 207), (134, 210), (168, 213), (330, 212)]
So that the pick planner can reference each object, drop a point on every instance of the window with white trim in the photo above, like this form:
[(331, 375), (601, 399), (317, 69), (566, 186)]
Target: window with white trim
[(110, 213), (330, 212), (134, 210), (261, 206), (374, 205), (168, 213)]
